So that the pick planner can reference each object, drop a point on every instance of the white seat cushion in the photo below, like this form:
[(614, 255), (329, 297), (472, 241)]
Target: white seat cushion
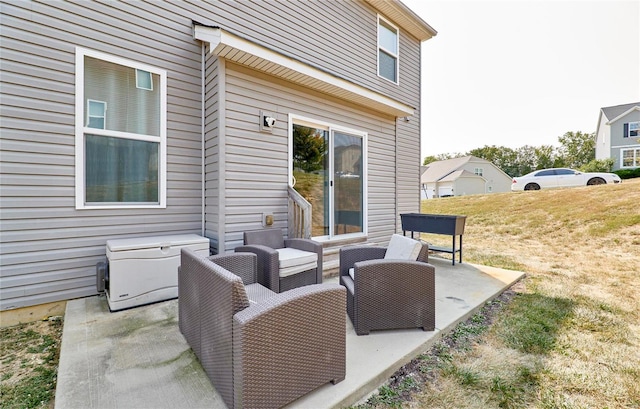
[(352, 273), (286, 272), (293, 261), (403, 248)]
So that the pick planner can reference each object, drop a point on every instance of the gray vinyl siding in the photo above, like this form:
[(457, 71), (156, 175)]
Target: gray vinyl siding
[(256, 162), (408, 167), (618, 141), (343, 40), (617, 130), (48, 249), (409, 145)]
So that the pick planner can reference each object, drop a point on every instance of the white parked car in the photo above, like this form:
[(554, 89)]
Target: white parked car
[(561, 177)]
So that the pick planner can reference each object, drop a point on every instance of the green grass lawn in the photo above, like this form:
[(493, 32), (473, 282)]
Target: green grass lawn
[(569, 336)]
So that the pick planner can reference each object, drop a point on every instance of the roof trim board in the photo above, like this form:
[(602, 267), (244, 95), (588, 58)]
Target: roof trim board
[(234, 48), (405, 18)]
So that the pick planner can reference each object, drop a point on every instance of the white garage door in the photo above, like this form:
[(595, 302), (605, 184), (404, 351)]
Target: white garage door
[(444, 191)]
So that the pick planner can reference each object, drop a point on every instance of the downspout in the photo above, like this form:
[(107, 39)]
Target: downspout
[(202, 144)]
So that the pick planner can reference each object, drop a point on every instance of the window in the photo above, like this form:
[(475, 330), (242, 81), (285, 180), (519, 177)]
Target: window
[(120, 133), (144, 80), (630, 158), (96, 114), (387, 50), (478, 171), (631, 130), (328, 165), (565, 172)]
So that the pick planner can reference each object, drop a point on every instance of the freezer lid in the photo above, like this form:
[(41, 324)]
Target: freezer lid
[(139, 243)]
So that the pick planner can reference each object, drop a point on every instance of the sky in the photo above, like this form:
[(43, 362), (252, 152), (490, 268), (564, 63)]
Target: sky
[(523, 72)]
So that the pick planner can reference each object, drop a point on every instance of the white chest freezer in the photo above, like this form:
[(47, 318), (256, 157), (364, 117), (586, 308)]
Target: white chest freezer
[(144, 270)]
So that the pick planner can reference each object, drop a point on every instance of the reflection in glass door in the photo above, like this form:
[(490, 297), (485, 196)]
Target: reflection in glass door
[(311, 173), (328, 168), (348, 177)]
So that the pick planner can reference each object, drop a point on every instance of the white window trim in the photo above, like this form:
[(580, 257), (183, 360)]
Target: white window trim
[(396, 55), (306, 121), (636, 157), (81, 129)]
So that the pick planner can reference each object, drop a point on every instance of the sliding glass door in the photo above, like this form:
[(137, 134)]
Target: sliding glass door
[(328, 168), (348, 205)]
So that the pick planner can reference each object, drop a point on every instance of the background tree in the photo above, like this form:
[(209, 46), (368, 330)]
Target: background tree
[(501, 156), (441, 156), (429, 159), (526, 159), (547, 156), (598, 165), (310, 148), (577, 148)]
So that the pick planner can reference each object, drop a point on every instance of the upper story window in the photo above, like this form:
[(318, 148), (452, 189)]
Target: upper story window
[(478, 171), (631, 129), (120, 133), (388, 47)]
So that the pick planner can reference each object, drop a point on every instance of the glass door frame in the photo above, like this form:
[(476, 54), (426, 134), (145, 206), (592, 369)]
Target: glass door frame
[(311, 122)]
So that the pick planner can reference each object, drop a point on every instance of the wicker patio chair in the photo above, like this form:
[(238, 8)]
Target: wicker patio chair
[(284, 264), (260, 348), (387, 293)]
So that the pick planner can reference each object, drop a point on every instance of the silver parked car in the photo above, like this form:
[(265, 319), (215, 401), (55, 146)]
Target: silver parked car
[(561, 177)]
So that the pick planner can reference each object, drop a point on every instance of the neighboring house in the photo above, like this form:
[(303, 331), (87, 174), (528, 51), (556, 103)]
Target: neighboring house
[(618, 135), (462, 176), (146, 118)]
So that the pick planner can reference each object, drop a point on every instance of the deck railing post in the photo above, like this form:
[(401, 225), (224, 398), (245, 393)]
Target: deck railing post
[(299, 225)]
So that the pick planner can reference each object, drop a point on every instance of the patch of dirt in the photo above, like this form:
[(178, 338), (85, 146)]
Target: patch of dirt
[(25, 346)]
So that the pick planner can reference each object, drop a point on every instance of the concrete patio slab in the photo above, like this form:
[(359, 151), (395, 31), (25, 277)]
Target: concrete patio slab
[(138, 358)]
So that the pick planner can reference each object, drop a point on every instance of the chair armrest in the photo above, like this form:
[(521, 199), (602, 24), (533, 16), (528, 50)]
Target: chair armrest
[(244, 265), (311, 246), (268, 264), (301, 332), (304, 244), (353, 254), (424, 253)]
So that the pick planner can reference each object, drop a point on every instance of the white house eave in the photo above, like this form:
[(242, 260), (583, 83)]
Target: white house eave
[(636, 108), (255, 56), (405, 18)]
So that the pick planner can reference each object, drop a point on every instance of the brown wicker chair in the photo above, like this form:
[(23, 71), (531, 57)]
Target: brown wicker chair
[(386, 293), (259, 348), (273, 273)]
